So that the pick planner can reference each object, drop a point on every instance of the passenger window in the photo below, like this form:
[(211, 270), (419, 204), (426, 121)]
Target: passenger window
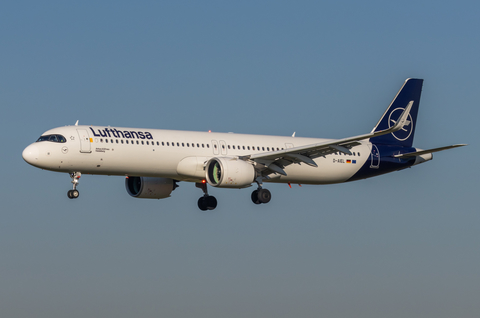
[(223, 146), (243, 147), (198, 145), (208, 146), (263, 148), (101, 139), (178, 144), (137, 142), (248, 147), (215, 146), (183, 145), (106, 140), (116, 140), (121, 141)]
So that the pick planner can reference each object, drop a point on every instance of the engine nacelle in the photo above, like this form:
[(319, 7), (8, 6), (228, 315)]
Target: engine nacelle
[(229, 173), (149, 188)]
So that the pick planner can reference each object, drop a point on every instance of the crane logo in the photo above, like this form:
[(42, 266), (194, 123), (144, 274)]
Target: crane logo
[(406, 130)]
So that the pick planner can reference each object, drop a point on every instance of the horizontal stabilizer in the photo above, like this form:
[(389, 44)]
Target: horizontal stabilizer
[(422, 152)]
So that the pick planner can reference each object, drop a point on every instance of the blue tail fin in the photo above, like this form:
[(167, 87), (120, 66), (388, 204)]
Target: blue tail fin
[(410, 91)]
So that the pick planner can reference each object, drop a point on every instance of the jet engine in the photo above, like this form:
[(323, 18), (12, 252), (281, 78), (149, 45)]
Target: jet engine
[(229, 173), (149, 188)]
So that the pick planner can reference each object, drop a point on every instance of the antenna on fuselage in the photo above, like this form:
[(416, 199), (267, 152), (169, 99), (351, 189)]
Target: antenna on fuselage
[(294, 134), (76, 124)]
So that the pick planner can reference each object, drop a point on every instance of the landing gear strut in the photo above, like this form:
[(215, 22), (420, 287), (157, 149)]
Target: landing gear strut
[(261, 195), (73, 194), (207, 202)]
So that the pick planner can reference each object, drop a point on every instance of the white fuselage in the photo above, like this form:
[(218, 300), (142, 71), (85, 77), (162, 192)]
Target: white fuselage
[(180, 155)]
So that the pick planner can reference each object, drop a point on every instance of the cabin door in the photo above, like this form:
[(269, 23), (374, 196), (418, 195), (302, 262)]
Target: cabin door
[(215, 147), (85, 141), (374, 157)]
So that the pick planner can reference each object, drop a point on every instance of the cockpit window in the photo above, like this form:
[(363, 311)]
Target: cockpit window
[(52, 138)]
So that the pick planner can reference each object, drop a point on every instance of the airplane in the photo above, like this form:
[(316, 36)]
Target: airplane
[(154, 161)]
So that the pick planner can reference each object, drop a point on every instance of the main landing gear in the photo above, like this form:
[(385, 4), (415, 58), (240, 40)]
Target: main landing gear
[(207, 202), (73, 194), (261, 195)]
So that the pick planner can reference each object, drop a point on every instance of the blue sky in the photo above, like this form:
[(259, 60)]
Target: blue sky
[(403, 244)]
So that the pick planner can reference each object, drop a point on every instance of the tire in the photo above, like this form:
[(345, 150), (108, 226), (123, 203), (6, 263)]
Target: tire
[(264, 196), (75, 194), (211, 202), (202, 204), (255, 197)]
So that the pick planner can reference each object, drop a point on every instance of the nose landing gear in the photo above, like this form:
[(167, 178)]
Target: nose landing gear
[(73, 194)]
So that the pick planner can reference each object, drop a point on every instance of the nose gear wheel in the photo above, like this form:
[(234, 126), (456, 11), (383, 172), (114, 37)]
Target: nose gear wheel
[(73, 194)]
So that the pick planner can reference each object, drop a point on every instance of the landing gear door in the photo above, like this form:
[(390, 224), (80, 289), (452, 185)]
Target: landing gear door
[(85, 142)]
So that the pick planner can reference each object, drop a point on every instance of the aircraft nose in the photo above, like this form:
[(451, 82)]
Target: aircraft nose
[(30, 154)]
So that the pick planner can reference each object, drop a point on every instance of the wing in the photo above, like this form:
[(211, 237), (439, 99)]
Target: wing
[(275, 161)]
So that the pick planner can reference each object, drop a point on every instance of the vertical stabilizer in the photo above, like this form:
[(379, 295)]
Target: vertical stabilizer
[(410, 92)]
